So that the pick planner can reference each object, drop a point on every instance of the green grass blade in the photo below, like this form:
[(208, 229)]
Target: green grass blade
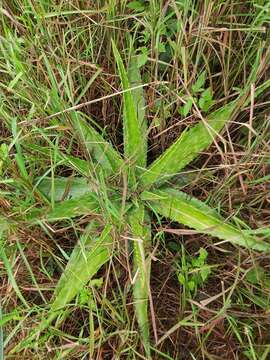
[(98, 149), (1, 336), (134, 145), (5, 228), (11, 277), (87, 258), (193, 213), (141, 233)]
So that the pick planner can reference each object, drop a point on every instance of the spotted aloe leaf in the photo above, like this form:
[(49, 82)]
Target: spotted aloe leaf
[(88, 256), (67, 209), (186, 210), (73, 197), (141, 236), (187, 147), (100, 151), (133, 116), (60, 188), (191, 142), (135, 80), (93, 251), (73, 162)]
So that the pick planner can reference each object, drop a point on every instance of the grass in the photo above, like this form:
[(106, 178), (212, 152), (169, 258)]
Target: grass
[(134, 194)]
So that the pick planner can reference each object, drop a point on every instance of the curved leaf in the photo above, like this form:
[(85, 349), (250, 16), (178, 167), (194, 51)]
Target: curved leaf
[(193, 213)]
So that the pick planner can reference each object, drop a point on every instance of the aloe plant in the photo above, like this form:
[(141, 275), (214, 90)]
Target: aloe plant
[(133, 202)]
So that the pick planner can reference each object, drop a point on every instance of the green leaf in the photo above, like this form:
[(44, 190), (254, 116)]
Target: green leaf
[(134, 77), (14, 315), (97, 148), (141, 233), (3, 151), (199, 84), (184, 110), (203, 254), (133, 124), (193, 213), (86, 259), (187, 147), (191, 285), (142, 57), (161, 47), (85, 205), (205, 272), (206, 100), (61, 188), (256, 275), (67, 209), (85, 296), (181, 278), (136, 5), (77, 164)]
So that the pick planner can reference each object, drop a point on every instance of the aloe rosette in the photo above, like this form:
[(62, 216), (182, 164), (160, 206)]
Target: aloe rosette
[(143, 193)]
